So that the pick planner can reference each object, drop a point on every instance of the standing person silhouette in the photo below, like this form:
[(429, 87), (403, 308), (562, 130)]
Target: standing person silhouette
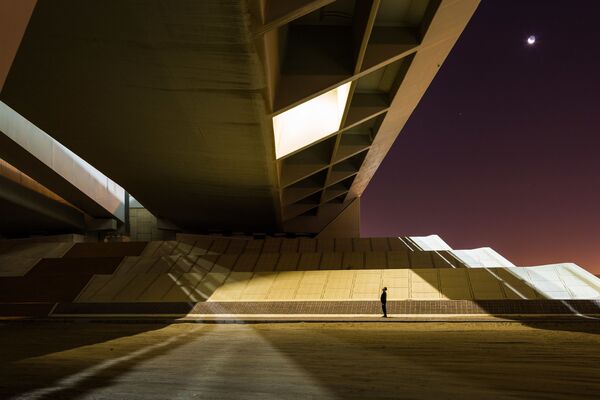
[(383, 301)]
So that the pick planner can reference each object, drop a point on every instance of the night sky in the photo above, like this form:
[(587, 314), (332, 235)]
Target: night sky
[(504, 148)]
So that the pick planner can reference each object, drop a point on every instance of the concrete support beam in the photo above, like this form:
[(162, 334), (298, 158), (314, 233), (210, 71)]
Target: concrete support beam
[(106, 224), (23, 211), (32, 151), (346, 224)]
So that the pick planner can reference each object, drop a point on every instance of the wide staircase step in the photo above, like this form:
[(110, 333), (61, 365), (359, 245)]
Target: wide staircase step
[(55, 280), (101, 250)]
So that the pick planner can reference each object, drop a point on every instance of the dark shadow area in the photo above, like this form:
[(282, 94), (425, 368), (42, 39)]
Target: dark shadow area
[(99, 249), (54, 280), (67, 369)]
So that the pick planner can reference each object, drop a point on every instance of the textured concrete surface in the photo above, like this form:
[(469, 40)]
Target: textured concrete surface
[(177, 103), (212, 278), (324, 361)]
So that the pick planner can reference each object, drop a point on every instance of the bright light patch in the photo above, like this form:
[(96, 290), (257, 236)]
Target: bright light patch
[(531, 40), (309, 121)]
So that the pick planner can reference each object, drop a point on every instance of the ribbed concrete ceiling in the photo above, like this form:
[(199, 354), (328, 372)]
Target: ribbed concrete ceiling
[(164, 97)]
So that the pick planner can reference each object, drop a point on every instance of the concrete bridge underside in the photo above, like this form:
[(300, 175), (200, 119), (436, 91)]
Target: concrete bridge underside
[(174, 100), (166, 100)]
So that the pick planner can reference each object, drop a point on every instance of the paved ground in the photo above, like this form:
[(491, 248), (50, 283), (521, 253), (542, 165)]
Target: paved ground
[(437, 360)]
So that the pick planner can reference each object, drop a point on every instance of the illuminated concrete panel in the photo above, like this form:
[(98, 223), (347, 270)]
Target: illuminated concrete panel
[(179, 277), (424, 284), (309, 121), (431, 243), (397, 282), (367, 285), (258, 287), (339, 285), (482, 257), (285, 286), (312, 285), (233, 287)]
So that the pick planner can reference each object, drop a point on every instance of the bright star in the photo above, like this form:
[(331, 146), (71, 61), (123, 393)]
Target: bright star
[(531, 40)]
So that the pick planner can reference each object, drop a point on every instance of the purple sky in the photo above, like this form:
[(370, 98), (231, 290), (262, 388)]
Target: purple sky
[(504, 148)]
